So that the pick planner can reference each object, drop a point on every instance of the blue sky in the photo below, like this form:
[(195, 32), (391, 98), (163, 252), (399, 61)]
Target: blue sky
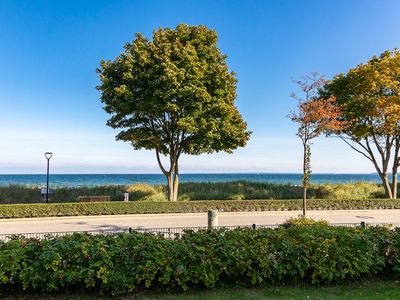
[(49, 51)]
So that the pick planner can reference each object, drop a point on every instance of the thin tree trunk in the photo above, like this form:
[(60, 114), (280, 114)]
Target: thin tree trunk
[(304, 178), (394, 184), (304, 201), (176, 182), (395, 167)]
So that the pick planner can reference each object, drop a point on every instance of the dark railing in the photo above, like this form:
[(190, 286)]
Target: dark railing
[(173, 232)]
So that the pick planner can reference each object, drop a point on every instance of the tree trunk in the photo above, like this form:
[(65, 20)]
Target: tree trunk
[(171, 174), (170, 187), (386, 185), (394, 177), (395, 167), (176, 182), (175, 187), (305, 179), (304, 200), (394, 185)]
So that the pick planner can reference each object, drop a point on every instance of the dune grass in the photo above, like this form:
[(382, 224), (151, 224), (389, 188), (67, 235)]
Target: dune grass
[(245, 190), (237, 190)]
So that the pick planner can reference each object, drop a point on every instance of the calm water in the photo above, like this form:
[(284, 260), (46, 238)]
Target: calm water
[(116, 179)]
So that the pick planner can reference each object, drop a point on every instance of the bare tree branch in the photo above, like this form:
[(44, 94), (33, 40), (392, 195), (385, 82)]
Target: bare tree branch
[(354, 148), (160, 163), (373, 159)]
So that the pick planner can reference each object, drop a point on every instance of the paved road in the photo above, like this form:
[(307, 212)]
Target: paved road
[(85, 223)]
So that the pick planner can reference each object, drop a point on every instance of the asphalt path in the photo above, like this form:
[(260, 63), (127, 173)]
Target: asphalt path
[(87, 223)]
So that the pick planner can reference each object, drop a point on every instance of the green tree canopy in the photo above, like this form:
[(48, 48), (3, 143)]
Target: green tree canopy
[(173, 94)]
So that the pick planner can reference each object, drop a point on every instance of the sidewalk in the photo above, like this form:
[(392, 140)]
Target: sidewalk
[(86, 223)]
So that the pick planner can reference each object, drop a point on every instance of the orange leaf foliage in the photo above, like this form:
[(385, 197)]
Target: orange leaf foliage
[(321, 113)]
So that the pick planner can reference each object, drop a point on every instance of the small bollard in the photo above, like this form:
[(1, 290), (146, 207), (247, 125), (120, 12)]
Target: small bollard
[(130, 230), (126, 197), (362, 224), (212, 218), (253, 226)]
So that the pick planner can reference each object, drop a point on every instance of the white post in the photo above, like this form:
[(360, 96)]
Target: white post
[(212, 217), (126, 197)]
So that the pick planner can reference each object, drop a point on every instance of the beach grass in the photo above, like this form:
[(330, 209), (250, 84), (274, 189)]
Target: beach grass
[(193, 191)]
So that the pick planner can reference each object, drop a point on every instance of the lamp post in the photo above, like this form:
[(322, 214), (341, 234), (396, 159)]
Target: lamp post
[(48, 155)]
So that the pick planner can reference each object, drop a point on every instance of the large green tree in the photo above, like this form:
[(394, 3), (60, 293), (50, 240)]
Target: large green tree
[(175, 95), (369, 99)]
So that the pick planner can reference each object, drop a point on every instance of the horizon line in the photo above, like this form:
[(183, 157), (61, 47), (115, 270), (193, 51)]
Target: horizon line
[(200, 173)]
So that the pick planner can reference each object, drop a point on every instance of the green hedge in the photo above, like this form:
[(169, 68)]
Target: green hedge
[(138, 207), (315, 254)]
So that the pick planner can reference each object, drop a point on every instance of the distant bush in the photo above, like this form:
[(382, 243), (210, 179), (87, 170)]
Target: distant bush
[(358, 190), (143, 207), (245, 190), (146, 192), (73, 193), (239, 190), (20, 194), (31, 194), (125, 263)]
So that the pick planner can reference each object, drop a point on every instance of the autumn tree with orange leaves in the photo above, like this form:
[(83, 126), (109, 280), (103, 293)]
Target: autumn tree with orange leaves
[(314, 115), (369, 99)]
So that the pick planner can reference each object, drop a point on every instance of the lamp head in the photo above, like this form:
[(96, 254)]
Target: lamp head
[(48, 155)]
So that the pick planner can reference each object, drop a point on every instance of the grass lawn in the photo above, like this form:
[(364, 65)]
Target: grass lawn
[(365, 290)]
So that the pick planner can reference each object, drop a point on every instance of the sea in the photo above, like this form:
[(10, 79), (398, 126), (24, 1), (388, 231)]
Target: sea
[(76, 180)]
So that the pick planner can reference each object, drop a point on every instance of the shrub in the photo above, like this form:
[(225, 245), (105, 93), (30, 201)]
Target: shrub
[(20, 194), (358, 190), (239, 190), (146, 192), (31, 194), (305, 221), (244, 257)]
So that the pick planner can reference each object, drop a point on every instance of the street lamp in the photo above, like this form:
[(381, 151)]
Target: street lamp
[(48, 155)]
